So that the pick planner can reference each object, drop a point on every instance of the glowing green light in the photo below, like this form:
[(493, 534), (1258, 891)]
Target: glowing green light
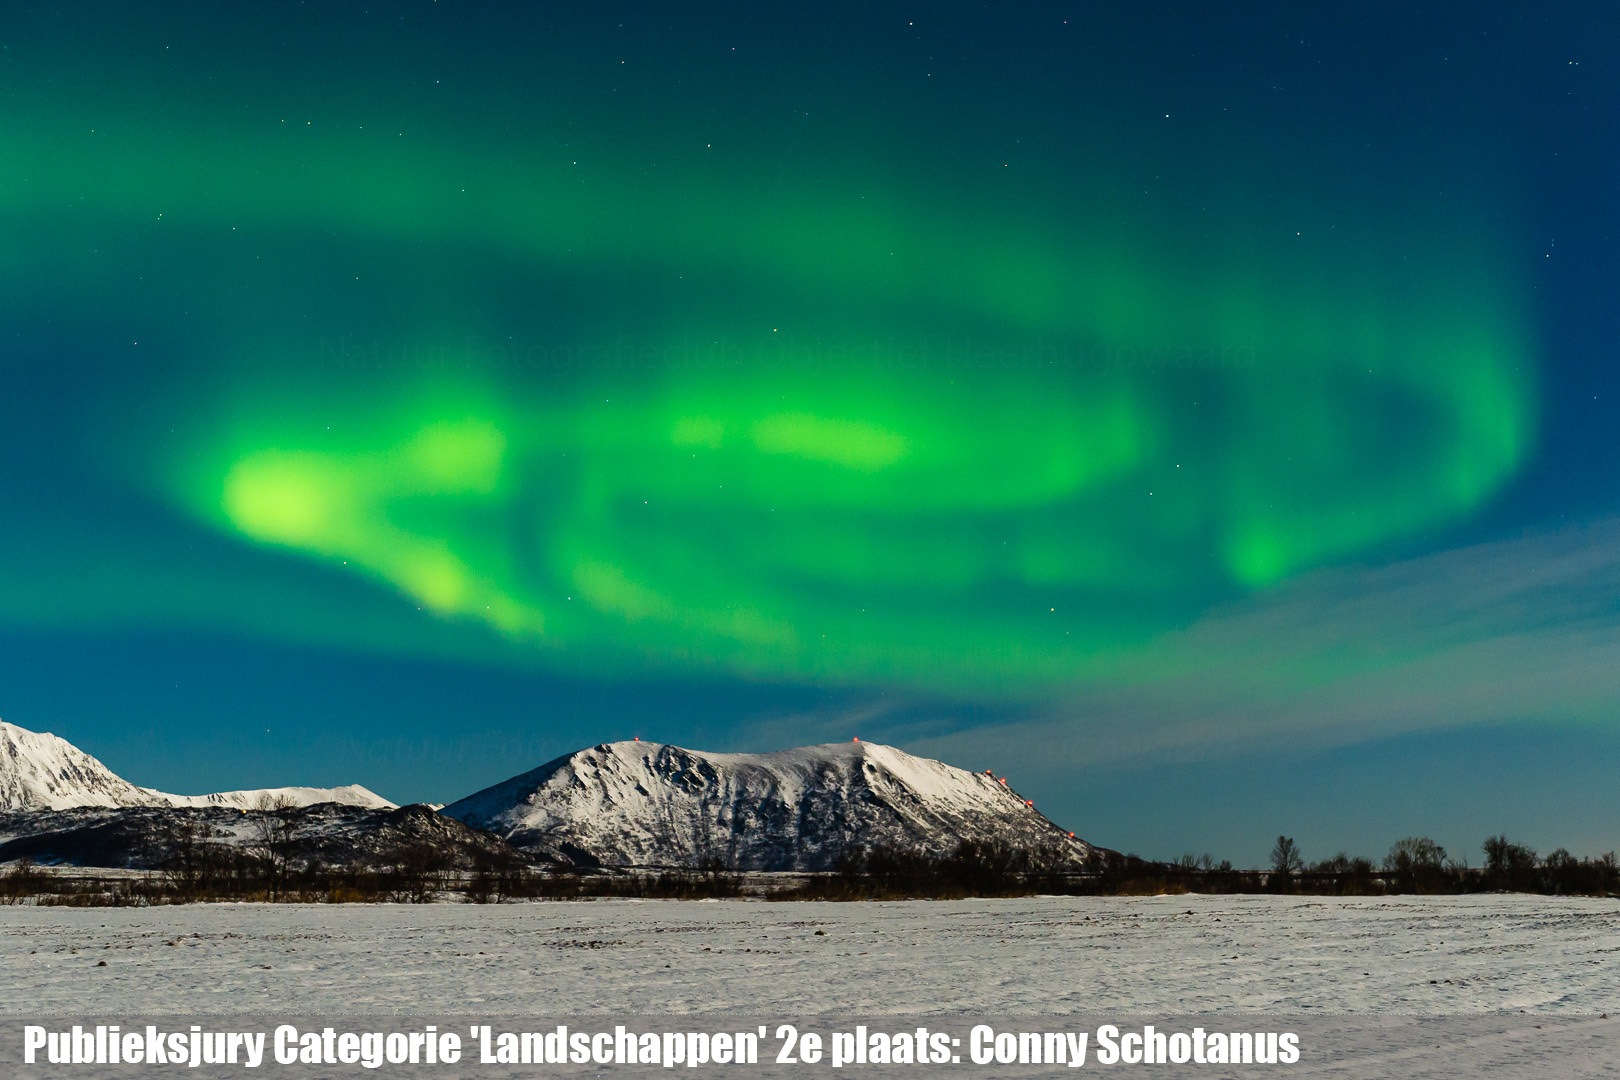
[(1073, 420), (853, 444)]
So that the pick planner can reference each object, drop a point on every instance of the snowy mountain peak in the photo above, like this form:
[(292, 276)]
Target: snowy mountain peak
[(650, 804), (41, 771)]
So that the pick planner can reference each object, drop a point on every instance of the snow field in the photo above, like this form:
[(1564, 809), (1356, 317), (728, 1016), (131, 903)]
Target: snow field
[(1043, 956)]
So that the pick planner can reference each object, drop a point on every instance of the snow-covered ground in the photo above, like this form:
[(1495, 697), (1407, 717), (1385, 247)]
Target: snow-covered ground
[(1046, 956)]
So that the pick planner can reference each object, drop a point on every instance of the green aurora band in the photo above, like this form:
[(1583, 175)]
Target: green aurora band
[(898, 438)]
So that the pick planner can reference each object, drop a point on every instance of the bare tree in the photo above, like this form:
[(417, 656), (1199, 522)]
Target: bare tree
[(22, 880), (1415, 852), (1285, 857), (421, 870), (188, 856), (1417, 864), (271, 839), (1509, 865)]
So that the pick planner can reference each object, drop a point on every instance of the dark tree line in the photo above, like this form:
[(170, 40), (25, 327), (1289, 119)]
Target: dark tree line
[(270, 862), (974, 868), (1416, 864)]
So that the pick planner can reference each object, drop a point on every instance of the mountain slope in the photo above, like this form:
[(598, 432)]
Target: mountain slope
[(648, 804), (41, 771), (155, 837)]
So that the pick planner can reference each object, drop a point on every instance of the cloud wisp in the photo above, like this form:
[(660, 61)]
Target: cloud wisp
[(1524, 629)]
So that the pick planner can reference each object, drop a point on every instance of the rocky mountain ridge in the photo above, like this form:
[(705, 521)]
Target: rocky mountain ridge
[(650, 804)]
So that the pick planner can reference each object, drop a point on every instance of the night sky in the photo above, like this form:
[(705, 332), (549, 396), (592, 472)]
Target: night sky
[(1205, 419)]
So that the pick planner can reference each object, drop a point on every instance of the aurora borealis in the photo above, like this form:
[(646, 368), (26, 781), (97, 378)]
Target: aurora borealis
[(961, 362)]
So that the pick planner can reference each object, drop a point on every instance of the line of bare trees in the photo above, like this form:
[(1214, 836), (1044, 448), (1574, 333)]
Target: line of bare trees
[(270, 860), (1416, 864)]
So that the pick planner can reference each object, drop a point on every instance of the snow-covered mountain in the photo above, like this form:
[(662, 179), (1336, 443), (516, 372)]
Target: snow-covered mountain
[(648, 804), (40, 771), (253, 798)]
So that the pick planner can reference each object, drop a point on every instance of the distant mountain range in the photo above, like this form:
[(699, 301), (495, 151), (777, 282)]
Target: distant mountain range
[(39, 771), (618, 805)]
